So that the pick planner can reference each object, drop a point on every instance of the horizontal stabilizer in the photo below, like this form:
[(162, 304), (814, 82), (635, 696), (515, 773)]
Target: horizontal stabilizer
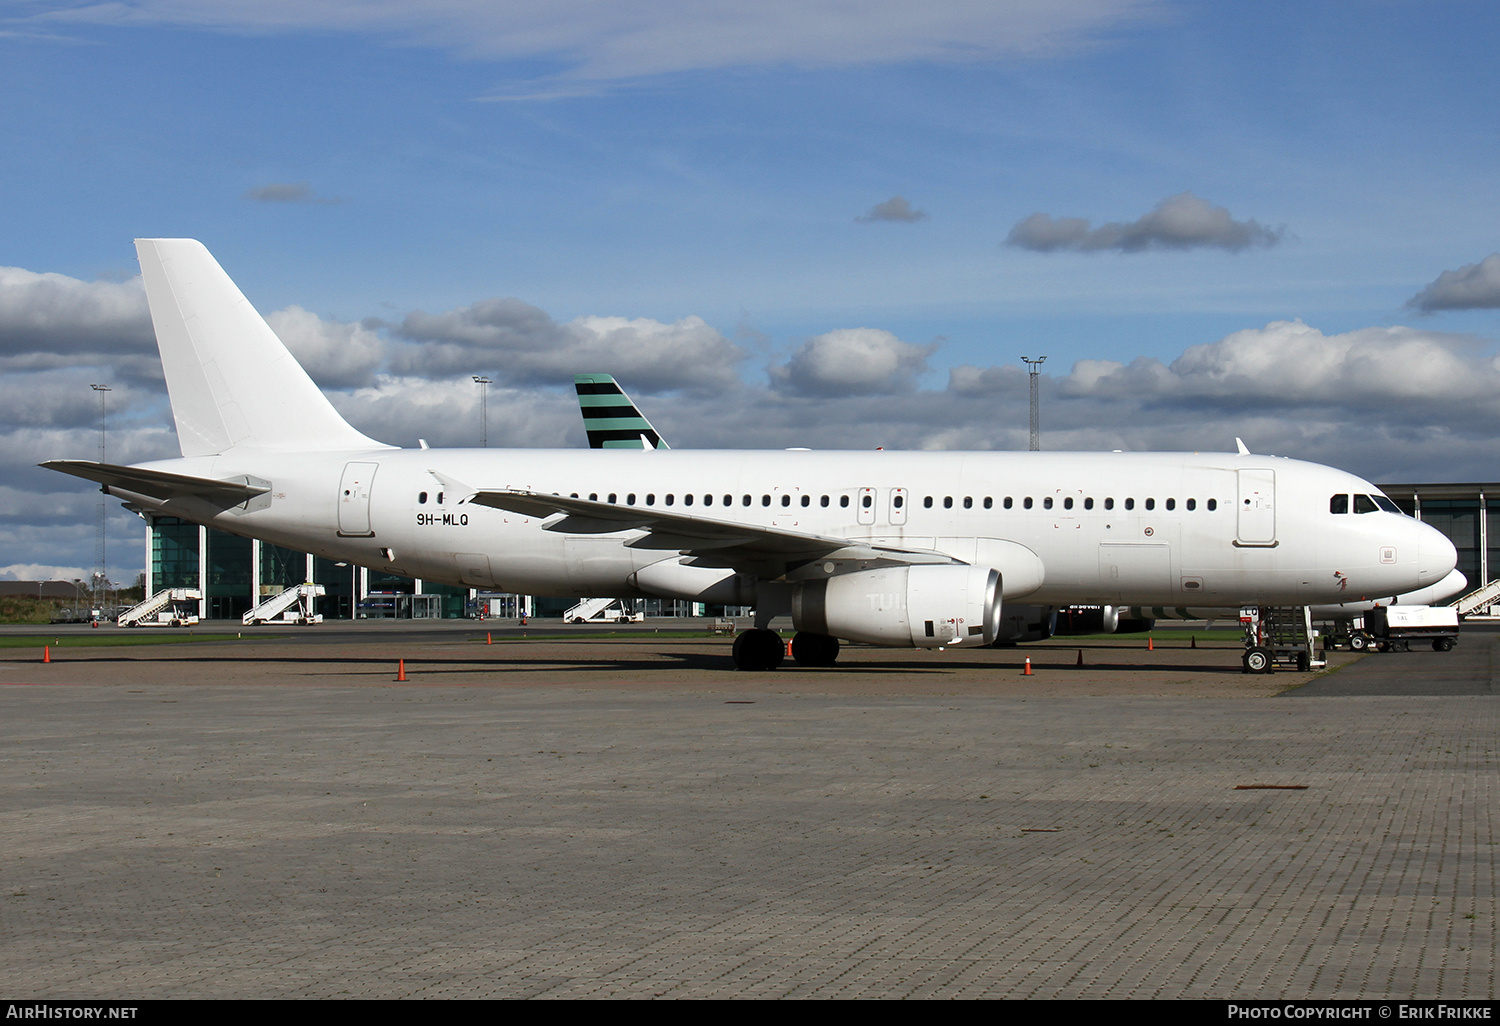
[(161, 485)]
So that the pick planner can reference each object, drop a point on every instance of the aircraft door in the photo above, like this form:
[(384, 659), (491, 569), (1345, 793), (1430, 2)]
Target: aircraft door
[(354, 500), (1257, 507), (898, 506)]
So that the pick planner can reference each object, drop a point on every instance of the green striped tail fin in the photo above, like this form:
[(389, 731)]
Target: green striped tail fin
[(610, 418)]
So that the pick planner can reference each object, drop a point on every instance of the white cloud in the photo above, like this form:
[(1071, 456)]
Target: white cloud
[(853, 361), (42, 572), (521, 344), (400, 410), (968, 380), (1391, 369), (56, 314), (1471, 287), (334, 353), (627, 39), (894, 209), (1183, 221)]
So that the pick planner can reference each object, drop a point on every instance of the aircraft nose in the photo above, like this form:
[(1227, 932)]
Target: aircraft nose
[(1436, 556)]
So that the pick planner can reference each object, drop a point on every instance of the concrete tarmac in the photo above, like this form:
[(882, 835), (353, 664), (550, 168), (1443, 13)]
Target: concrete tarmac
[(279, 817)]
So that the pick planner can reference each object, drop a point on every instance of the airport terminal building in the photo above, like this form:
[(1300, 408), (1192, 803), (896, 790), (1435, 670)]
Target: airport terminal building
[(236, 573)]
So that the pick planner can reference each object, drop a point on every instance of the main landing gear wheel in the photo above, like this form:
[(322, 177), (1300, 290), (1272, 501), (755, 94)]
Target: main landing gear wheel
[(1258, 660), (811, 649), (757, 649)]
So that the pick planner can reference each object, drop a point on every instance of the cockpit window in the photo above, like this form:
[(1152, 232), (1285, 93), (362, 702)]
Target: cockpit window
[(1364, 504), (1386, 504), (1338, 504)]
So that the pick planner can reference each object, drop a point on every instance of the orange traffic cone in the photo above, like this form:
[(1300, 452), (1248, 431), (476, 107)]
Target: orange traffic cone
[(1150, 644), (789, 650), (487, 639), (46, 653), (401, 670), (1027, 672)]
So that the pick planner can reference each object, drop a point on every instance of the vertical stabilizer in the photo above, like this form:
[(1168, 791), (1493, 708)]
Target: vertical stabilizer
[(231, 380), (610, 418)]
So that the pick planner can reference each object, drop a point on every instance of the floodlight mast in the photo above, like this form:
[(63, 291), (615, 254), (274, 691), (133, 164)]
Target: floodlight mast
[(1036, 417), (484, 412), (101, 582)]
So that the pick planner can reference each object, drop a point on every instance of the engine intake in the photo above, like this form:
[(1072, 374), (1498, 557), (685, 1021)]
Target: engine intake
[(910, 606)]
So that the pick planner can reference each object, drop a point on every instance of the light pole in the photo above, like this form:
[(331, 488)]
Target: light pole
[(1036, 395), (484, 412), (102, 582)]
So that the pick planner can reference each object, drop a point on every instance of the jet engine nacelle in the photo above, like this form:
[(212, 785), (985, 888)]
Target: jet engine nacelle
[(1026, 623), (913, 606), (1088, 620)]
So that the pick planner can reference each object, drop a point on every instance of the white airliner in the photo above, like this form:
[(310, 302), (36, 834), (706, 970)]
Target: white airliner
[(911, 549)]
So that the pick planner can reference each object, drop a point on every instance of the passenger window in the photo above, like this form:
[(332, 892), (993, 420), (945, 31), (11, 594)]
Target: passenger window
[(927, 502), (844, 501), (1007, 502), (1026, 502), (1150, 503), (1130, 504), (866, 500), (612, 497), (765, 500), (786, 500), (593, 496), (968, 502), (1109, 503), (1213, 504), (807, 500), (947, 502), (422, 498), (1171, 504), (898, 502), (440, 498), (823, 501), (1068, 502), (1047, 502), (630, 499), (746, 501), (988, 502), (1338, 504), (1192, 504), (1088, 503), (651, 498)]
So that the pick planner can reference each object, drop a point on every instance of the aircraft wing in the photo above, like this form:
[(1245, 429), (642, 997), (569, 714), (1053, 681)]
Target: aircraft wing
[(162, 485), (765, 551)]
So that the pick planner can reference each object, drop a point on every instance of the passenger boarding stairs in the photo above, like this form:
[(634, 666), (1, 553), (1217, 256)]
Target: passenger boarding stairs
[(295, 605), (590, 609), (162, 603), (1479, 598)]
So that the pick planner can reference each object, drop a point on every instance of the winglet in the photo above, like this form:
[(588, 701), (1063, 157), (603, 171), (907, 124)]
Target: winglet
[(1240, 445)]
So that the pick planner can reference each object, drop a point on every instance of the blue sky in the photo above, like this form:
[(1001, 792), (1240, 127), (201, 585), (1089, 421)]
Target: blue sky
[(663, 161)]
